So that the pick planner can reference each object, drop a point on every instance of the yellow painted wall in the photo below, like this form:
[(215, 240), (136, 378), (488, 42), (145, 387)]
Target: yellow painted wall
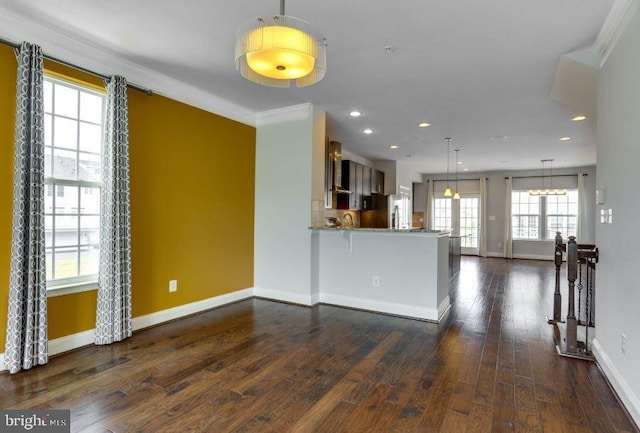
[(192, 203), (7, 124)]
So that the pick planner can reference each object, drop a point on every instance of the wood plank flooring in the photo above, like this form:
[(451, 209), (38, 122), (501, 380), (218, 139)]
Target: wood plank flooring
[(261, 366)]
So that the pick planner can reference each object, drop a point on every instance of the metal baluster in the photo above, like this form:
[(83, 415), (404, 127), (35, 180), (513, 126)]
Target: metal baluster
[(580, 287)]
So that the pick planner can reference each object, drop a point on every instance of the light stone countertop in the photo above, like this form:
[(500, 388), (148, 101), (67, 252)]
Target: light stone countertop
[(359, 229)]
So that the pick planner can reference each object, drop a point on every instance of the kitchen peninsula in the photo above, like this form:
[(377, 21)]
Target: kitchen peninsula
[(401, 272)]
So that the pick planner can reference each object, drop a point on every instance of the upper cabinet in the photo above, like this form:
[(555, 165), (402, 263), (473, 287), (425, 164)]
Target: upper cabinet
[(377, 181), (361, 181)]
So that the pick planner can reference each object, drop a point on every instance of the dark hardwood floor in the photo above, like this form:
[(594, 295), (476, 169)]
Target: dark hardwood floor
[(261, 366)]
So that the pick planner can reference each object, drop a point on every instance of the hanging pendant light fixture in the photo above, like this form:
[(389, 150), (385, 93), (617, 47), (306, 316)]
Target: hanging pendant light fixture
[(547, 191), (280, 51), (456, 196), (447, 190)]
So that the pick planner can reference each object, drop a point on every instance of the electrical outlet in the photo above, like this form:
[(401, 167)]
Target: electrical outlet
[(623, 343), (499, 244), (173, 285), (375, 281)]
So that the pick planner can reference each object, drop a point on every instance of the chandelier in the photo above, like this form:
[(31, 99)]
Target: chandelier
[(550, 190)]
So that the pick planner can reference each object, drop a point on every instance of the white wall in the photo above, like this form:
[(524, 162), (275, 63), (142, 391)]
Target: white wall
[(285, 178), (617, 293), (412, 269)]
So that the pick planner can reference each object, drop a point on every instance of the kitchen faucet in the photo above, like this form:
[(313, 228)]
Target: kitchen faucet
[(347, 220)]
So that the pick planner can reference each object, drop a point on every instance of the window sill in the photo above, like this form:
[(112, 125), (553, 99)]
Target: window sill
[(69, 289)]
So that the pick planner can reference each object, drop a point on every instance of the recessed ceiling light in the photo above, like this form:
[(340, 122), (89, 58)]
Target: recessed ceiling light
[(499, 137), (465, 169), (565, 138), (423, 124), (393, 146), (355, 113), (579, 118), (459, 162), (367, 131)]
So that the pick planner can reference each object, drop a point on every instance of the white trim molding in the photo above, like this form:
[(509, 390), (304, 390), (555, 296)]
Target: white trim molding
[(284, 114), (85, 338), (189, 309), (70, 47), (443, 308), (614, 25), (410, 311), (290, 297), (533, 256), (626, 395)]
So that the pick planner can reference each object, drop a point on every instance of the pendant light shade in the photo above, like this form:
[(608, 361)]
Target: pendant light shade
[(456, 196), (447, 190), (280, 51)]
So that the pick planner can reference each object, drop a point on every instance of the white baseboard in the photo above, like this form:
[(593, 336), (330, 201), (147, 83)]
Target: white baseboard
[(188, 309), (85, 338), (443, 308), (533, 256), (411, 311), (497, 255), (628, 398), (281, 295)]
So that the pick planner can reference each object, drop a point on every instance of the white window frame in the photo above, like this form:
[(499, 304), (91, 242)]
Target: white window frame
[(543, 218), (62, 286)]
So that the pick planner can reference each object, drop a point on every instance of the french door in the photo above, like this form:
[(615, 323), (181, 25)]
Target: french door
[(462, 217)]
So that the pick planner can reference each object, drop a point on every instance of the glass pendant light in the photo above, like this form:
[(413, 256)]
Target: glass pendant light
[(447, 190), (456, 196)]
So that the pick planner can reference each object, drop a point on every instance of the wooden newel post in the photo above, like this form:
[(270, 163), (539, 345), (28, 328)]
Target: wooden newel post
[(572, 273), (557, 297)]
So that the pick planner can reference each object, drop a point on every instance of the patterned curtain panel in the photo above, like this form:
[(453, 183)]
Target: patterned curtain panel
[(113, 316), (26, 342)]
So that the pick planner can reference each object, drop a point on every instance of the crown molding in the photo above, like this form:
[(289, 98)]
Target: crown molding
[(284, 114), (62, 44), (614, 25)]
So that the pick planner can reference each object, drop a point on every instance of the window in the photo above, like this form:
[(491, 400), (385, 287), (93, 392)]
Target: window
[(73, 145), (442, 214), (540, 217), (562, 214), (525, 211)]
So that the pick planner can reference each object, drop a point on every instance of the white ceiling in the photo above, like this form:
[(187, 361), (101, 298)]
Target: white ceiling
[(473, 69)]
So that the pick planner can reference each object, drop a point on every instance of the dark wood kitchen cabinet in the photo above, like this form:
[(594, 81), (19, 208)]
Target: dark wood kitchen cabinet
[(377, 181), (359, 179), (352, 180)]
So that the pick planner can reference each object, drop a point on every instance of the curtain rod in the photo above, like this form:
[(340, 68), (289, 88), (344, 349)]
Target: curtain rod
[(453, 180), (539, 176), (80, 68)]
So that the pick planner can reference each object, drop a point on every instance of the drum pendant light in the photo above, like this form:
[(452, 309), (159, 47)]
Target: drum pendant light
[(280, 51)]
